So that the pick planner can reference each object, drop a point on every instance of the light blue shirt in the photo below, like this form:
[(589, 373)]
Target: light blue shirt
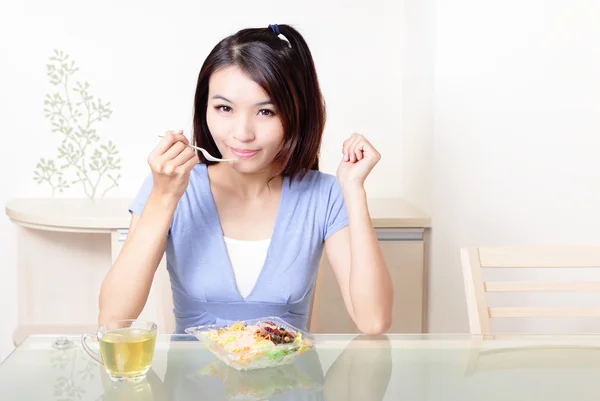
[(202, 279)]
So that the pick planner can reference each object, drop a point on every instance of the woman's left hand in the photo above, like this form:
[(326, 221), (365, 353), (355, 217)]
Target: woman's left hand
[(359, 158)]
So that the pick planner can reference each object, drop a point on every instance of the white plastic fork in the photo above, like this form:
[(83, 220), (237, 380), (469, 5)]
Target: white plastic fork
[(207, 155)]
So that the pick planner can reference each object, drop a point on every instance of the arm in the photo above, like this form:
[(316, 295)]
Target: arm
[(358, 265), (354, 252), (125, 289)]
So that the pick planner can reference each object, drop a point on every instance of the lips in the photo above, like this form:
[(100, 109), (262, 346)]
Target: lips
[(243, 153)]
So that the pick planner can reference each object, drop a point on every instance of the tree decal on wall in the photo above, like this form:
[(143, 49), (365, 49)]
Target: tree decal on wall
[(82, 160)]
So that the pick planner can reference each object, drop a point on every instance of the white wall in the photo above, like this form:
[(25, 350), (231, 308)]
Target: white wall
[(144, 57), (487, 113), (418, 60), (517, 133)]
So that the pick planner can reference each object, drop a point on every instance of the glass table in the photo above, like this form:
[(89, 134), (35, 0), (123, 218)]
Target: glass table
[(339, 367)]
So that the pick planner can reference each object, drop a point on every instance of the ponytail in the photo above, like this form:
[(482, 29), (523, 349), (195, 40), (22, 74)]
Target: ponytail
[(308, 84)]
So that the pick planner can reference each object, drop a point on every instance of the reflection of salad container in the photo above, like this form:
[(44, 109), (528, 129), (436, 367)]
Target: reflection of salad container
[(255, 385), (262, 354)]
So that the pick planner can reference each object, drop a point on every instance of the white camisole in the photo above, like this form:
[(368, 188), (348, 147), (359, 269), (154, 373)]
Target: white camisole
[(247, 259)]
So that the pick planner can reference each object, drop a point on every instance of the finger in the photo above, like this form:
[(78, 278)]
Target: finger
[(355, 152), (168, 140), (171, 166), (352, 148), (359, 149), (188, 165), (174, 151), (366, 148), (347, 146), (158, 163), (369, 151), (183, 157)]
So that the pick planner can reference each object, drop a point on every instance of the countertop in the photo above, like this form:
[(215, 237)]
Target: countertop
[(102, 215)]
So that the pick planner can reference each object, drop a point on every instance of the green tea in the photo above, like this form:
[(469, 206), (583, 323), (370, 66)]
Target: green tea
[(128, 351)]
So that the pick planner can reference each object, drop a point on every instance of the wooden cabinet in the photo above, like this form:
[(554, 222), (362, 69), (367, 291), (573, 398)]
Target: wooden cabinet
[(404, 253)]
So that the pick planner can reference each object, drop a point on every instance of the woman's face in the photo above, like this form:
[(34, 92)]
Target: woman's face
[(242, 120)]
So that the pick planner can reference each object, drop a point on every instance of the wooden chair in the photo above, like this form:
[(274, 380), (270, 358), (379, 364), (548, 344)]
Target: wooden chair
[(474, 260)]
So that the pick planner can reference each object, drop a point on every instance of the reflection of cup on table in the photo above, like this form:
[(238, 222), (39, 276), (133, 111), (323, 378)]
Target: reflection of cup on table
[(126, 348)]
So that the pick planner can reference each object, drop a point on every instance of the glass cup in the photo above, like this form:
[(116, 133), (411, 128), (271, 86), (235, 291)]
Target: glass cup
[(126, 348)]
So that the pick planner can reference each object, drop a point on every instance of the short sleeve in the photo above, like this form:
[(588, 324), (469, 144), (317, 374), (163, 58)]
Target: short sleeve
[(336, 214), (142, 196)]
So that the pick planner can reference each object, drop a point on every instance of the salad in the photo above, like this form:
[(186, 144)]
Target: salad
[(254, 344)]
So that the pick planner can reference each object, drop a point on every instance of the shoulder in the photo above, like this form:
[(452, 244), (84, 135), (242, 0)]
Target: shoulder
[(197, 192), (199, 181), (321, 193), (316, 182), (199, 172), (196, 200)]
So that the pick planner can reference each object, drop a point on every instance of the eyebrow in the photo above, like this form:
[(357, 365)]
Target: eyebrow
[(263, 103)]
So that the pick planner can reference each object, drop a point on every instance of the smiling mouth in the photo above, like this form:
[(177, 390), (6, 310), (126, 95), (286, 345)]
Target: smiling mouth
[(243, 153)]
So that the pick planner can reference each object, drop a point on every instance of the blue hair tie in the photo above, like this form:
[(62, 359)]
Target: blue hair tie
[(275, 29)]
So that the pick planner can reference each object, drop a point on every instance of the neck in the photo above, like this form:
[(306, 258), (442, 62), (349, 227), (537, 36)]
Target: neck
[(246, 185)]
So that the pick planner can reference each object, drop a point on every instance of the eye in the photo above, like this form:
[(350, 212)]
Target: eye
[(266, 112), (223, 108)]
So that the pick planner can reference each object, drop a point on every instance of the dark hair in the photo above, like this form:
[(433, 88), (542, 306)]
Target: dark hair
[(286, 72)]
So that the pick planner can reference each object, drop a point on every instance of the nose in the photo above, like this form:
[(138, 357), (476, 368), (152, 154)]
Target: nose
[(244, 131)]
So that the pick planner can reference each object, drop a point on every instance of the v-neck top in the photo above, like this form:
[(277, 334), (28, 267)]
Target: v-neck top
[(202, 279)]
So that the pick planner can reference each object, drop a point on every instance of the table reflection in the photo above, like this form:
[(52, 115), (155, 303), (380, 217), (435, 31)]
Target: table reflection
[(361, 372), (339, 368)]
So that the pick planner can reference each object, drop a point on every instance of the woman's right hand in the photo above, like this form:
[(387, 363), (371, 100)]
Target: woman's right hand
[(171, 162)]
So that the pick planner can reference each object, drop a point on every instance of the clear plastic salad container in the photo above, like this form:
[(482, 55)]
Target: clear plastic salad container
[(254, 344)]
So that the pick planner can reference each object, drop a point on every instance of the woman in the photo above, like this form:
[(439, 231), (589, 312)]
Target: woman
[(243, 239)]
